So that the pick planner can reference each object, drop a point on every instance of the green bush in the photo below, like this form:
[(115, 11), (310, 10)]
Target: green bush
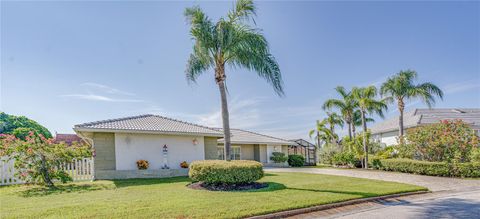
[(226, 172), (344, 158), (475, 155), (278, 157), (428, 168), (296, 160)]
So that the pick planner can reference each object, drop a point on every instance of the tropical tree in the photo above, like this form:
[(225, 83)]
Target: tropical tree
[(333, 119), (346, 105), (230, 42), (401, 87), (322, 133), (367, 104), (357, 120)]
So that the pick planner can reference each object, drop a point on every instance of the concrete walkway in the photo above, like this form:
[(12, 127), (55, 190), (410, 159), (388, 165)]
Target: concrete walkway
[(433, 183), (451, 197)]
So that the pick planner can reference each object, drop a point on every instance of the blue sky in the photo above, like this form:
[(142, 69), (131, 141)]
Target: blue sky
[(64, 63)]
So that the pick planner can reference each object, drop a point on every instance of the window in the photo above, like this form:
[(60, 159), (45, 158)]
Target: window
[(234, 154)]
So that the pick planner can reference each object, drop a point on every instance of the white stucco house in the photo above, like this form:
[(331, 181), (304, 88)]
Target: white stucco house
[(387, 132), (165, 143)]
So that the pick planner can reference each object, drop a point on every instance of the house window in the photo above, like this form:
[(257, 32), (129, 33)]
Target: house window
[(235, 153)]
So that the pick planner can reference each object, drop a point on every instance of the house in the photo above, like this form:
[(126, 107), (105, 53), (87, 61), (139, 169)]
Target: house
[(165, 143), (247, 145), (386, 132), (68, 139), (305, 149)]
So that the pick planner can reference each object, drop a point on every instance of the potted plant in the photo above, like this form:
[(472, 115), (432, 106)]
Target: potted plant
[(142, 164)]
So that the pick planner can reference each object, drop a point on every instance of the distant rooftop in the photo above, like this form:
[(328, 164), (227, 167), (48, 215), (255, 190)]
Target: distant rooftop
[(239, 136), (67, 138), (148, 123), (428, 116)]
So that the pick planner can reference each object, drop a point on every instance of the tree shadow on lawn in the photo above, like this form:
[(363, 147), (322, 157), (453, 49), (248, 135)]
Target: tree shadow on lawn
[(61, 189), (121, 183)]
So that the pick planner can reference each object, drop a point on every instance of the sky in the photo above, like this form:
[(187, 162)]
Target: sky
[(70, 62)]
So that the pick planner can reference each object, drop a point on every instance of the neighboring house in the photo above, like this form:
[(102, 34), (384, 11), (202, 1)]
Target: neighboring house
[(165, 143), (247, 145), (69, 139), (386, 132)]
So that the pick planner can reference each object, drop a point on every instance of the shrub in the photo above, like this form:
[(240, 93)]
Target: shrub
[(327, 152), (296, 160), (387, 152), (38, 158), (471, 169), (142, 164), (450, 141), (475, 155), (344, 159), (278, 157), (226, 172), (184, 164)]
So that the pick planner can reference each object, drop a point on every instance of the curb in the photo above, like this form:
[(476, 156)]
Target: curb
[(288, 213)]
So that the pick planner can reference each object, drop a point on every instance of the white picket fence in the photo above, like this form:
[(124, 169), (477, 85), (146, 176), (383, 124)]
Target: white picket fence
[(78, 169)]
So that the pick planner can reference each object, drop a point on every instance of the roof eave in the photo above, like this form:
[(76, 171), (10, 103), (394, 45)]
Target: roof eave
[(83, 129)]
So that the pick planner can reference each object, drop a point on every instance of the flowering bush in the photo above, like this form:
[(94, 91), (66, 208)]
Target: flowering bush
[(184, 164), (142, 164), (38, 158), (449, 140)]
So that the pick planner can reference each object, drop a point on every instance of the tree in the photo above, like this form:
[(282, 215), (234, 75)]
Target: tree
[(401, 88), (346, 105), (333, 119), (9, 124), (367, 104), (357, 120), (38, 159), (322, 133), (230, 42)]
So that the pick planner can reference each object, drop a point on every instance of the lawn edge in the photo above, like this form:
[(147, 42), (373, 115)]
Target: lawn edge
[(293, 212)]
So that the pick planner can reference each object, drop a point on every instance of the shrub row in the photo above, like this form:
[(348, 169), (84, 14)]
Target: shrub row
[(226, 172), (471, 169)]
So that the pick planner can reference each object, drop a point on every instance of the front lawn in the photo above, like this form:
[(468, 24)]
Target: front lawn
[(170, 198)]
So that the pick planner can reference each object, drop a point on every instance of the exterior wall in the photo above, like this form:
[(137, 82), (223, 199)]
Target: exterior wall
[(132, 147), (263, 153), (388, 138), (130, 174), (104, 144), (271, 149), (247, 152), (211, 148)]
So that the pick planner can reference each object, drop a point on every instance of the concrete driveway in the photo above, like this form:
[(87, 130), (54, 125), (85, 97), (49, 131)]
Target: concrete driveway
[(450, 197)]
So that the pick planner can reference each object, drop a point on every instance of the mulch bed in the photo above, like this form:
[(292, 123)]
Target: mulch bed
[(227, 187)]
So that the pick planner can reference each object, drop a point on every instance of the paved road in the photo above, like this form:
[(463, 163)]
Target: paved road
[(451, 197)]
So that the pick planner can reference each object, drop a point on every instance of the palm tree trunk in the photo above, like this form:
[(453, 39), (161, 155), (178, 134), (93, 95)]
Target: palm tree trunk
[(349, 130), (354, 130), (220, 79), (365, 147), (401, 107)]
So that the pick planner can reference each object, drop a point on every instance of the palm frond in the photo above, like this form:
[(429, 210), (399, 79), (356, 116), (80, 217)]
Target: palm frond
[(244, 10)]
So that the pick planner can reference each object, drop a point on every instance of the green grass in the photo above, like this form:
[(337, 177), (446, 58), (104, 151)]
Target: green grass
[(170, 198)]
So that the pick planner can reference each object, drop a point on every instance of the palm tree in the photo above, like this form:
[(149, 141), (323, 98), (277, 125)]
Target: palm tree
[(230, 42), (323, 133), (333, 119), (357, 120), (401, 88), (346, 105), (367, 103)]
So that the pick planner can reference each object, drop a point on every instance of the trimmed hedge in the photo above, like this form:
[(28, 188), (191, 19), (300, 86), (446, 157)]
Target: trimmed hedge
[(226, 172), (296, 160), (428, 168)]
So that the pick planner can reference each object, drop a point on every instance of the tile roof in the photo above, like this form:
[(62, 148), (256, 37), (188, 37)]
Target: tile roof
[(239, 136), (429, 116), (67, 138), (148, 123)]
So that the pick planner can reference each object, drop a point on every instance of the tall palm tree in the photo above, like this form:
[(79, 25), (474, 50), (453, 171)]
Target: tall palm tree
[(357, 120), (367, 104), (230, 42), (401, 88), (346, 105), (323, 133), (333, 119)]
